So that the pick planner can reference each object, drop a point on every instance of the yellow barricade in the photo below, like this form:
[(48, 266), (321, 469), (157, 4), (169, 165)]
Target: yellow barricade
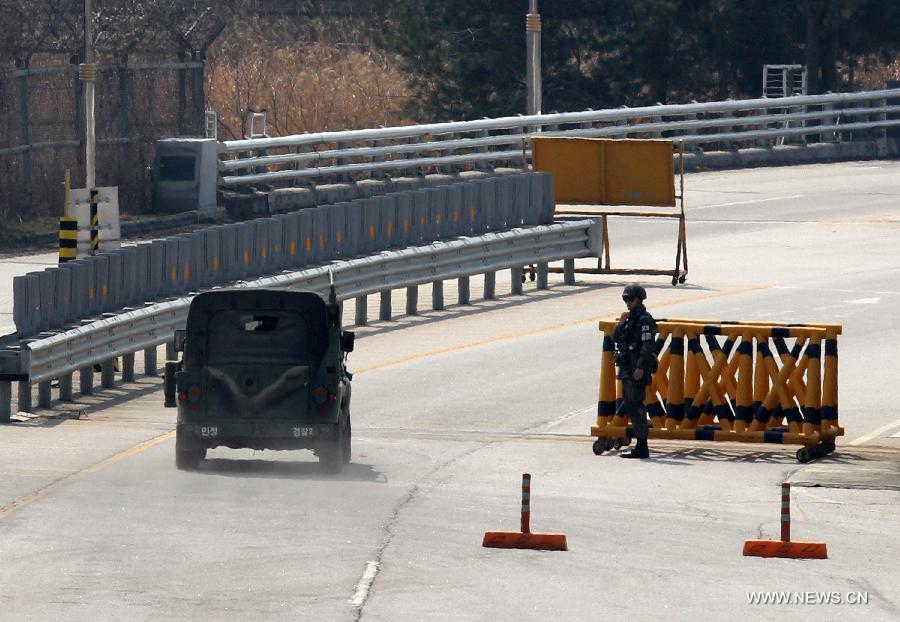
[(748, 382)]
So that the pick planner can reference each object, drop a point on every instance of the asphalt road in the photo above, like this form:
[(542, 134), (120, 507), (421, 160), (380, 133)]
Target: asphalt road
[(96, 523)]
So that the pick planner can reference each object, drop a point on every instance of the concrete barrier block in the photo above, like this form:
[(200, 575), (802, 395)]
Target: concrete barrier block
[(324, 249), (157, 272), (306, 228), (404, 217), (336, 228)]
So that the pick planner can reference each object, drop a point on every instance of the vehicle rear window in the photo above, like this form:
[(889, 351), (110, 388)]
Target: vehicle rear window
[(274, 337)]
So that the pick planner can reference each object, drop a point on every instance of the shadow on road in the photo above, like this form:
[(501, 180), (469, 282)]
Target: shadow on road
[(283, 469), (785, 455)]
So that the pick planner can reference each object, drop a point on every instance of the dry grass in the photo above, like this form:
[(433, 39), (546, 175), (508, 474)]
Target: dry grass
[(311, 87)]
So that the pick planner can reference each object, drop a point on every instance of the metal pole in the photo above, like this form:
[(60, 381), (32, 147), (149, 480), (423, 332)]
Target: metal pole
[(533, 51), (88, 74)]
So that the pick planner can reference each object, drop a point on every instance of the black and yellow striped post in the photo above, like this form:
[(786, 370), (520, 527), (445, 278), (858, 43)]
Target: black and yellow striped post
[(95, 222), (68, 239)]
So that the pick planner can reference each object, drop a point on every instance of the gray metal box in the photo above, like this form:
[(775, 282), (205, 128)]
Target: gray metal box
[(185, 174)]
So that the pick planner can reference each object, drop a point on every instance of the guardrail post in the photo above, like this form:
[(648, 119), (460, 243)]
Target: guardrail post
[(5, 400), (449, 169), (516, 275), (107, 373), (482, 165), (542, 273), (24, 397), (128, 367), (412, 300), (490, 285), (412, 155), (437, 295), (569, 271), (379, 173), (65, 388), (86, 380), (44, 397), (463, 289), (384, 311), (150, 361), (342, 177), (361, 311)]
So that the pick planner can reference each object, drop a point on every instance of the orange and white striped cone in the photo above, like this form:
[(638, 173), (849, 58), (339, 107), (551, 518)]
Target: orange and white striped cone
[(524, 539), (785, 547)]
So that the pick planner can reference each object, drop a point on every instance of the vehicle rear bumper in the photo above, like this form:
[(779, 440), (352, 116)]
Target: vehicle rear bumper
[(258, 434)]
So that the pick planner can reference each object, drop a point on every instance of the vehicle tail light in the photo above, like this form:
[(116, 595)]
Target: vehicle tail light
[(320, 394), (193, 393)]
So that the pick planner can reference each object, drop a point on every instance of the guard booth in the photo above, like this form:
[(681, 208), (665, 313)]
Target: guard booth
[(185, 174)]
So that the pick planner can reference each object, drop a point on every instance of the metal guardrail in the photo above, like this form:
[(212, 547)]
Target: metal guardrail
[(58, 356), (326, 155), (107, 283)]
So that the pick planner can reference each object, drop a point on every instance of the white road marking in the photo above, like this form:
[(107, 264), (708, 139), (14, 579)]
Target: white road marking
[(897, 435), (832, 290), (863, 301), (365, 583), (748, 202), (875, 433)]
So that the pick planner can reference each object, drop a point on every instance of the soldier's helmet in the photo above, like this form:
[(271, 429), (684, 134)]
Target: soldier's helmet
[(634, 290)]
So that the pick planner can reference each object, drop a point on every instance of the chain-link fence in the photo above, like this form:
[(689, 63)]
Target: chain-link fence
[(42, 123)]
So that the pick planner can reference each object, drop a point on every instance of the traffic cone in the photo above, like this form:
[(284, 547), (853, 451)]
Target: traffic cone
[(525, 539), (785, 547)]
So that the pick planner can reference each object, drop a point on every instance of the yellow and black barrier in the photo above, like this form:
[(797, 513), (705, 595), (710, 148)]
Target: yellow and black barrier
[(68, 239), (748, 382), (605, 171)]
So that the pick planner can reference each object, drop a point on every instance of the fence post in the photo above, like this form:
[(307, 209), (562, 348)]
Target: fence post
[(361, 310), (24, 397), (128, 367), (65, 388), (437, 295), (515, 274), (384, 311), (86, 380), (569, 271), (150, 361), (490, 285), (463, 290), (44, 398), (412, 300)]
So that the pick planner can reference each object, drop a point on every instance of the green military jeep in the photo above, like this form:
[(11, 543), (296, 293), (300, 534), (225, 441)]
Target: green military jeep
[(261, 369)]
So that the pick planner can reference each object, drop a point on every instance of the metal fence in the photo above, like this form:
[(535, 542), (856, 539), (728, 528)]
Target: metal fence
[(42, 129), (446, 147)]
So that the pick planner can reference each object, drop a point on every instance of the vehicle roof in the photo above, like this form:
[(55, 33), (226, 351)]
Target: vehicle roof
[(204, 305)]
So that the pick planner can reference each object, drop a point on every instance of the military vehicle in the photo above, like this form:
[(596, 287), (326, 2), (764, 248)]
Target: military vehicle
[(262, 369)]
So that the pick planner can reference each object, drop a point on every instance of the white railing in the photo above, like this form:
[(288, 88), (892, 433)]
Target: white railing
[(504, 141)]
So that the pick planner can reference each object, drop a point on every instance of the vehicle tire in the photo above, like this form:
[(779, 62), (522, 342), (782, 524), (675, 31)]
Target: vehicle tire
[(187, 457), (347, 436), (332, 455)]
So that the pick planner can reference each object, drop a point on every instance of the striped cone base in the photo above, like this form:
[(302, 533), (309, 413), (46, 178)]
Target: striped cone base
[(785, 547), (524, 539)]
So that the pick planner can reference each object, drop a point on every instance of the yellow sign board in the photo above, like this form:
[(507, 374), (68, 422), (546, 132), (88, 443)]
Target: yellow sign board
[(607, 171)]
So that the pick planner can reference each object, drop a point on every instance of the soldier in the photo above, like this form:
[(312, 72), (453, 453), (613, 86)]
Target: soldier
[(635, 336)]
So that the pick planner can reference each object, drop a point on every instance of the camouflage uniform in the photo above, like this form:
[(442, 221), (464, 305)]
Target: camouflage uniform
[(635, 341)]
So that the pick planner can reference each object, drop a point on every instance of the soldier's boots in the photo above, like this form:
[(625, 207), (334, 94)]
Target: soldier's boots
[(640, 450)]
